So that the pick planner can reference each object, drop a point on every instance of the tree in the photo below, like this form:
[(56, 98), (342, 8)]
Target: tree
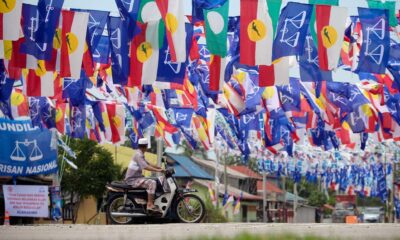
[(95, 168)]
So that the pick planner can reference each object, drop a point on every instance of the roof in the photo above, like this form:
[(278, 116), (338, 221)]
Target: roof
[(211, 164), (247, 171), (290, 198), (232, 190), (185, 167), (270, 187)]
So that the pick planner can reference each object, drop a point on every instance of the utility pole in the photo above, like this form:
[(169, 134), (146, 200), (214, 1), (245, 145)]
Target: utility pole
[(225, 173), (159, 150), (294, 202), (216, 174), (264, 186), (115, 153)]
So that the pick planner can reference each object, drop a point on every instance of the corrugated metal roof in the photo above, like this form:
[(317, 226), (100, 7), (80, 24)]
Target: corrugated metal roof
[(211, 165), (246, 170), (231, 190), (185, 167), (271, 188)]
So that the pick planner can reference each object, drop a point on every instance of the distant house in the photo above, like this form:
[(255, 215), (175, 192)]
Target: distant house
[(240, 181)]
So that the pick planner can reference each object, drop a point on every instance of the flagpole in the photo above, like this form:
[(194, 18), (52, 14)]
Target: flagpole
[(264, 186), (264, 196), (216, 174)]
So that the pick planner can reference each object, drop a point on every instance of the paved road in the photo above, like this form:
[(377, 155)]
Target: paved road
[(184, 231)]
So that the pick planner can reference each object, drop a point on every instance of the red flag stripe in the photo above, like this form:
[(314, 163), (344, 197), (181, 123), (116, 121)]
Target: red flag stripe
[(323, 15), (1, 26), (136, 67), (33, 84), (112, 110), (266, 76), (215, 70), (163, 7), (248, 9), (67, 21)]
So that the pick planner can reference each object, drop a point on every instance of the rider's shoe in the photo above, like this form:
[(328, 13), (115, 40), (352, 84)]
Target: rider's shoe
[(154, 210)]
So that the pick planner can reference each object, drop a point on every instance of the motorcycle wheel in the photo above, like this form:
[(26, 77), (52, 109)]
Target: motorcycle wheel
[(116, 204), (190, 209)]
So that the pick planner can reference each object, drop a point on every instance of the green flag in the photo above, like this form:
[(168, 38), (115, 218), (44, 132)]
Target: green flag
[(216, 21), (274, 8), (148, 11), (313, 29), (390, 6)]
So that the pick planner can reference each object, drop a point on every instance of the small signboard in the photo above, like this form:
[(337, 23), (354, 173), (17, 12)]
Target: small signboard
[(26, 200)]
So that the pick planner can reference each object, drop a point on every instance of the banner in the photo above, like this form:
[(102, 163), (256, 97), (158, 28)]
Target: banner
[(25, 150), (26, 200), (56, 204)]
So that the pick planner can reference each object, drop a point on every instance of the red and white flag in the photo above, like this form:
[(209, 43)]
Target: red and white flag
[(217, 72), (19, 105), (276, 74), (116, 117), (73, 34), (60, 116), (144, 55), (173, 15), (10, 16), (39, 83), (331, 23), (256, 33)]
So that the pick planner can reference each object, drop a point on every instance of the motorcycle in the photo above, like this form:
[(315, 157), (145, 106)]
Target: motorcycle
[(126, 205)]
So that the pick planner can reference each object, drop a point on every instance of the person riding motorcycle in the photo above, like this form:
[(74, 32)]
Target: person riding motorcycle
[(135, 178)]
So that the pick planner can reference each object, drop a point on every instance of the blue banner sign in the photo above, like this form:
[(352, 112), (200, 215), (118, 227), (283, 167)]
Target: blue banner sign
[(25, 150)]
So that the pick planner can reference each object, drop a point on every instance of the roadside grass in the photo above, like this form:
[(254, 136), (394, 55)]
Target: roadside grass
[(248, 236)]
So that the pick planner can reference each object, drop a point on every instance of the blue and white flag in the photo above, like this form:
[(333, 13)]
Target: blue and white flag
[(309, 63), (75, 89), (134, 138), (374, 53), (129, 10), (25, 150), (168, 71), (30, 28), (42, 113), (96, 23), (183, 117), (49, 15), (394, 63), (101, 52), (78, 121), (6, 84), (119, 50), (292, 30)]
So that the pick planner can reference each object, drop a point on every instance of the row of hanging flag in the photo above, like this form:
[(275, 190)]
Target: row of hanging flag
[(228, 200), (366, 175), (155, 71)]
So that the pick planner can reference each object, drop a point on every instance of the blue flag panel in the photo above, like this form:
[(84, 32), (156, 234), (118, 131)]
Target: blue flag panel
[(25, 150), (374, 53), (292, 30)]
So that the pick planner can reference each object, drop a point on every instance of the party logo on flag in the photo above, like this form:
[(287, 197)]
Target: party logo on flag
[(119, 50), (374, 53), (292, 30), (10, 12), (216, 29), (30, 27), (331, 23), (256, 33)]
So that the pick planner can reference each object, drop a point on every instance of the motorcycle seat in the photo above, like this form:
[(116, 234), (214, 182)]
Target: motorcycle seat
[(123, 185)]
